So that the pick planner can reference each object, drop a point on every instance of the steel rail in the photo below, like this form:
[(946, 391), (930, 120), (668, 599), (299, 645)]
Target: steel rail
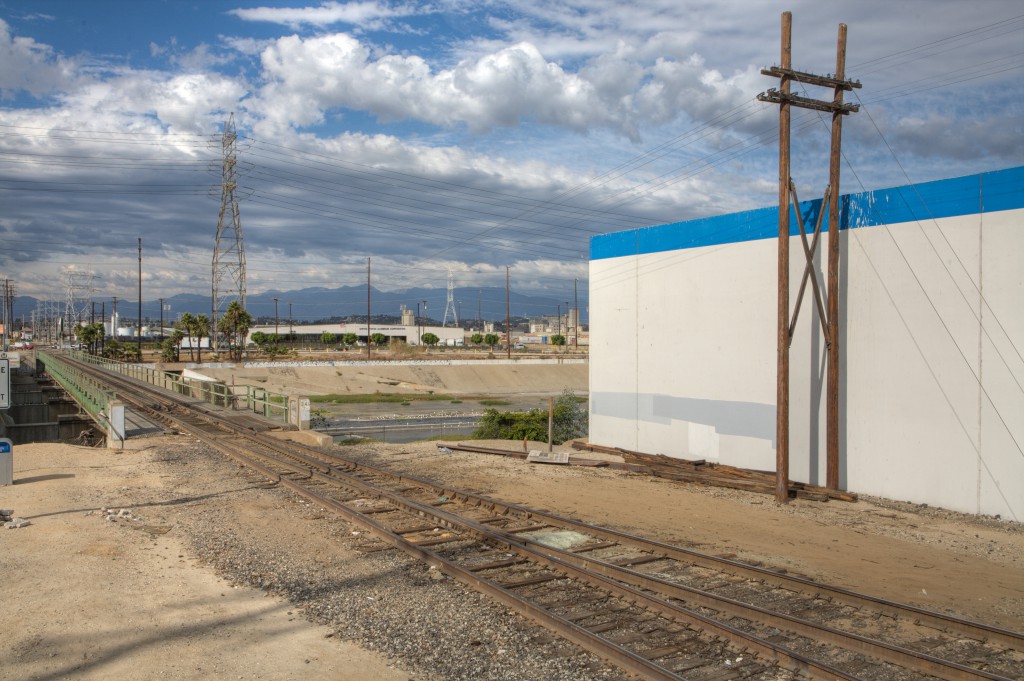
[(791, 660), (895, 654), (936, 620), (618, 655), (904, 657), (598, 645), (880, 650)]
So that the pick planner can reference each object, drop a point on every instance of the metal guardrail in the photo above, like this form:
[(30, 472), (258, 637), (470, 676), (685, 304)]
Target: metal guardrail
[(258, 400), (90, 394)]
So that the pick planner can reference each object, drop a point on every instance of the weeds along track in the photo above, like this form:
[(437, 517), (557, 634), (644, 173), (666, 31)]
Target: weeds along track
[(655, 610)]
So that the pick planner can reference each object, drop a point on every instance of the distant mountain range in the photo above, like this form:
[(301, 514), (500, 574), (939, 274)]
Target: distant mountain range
[(319, 304)]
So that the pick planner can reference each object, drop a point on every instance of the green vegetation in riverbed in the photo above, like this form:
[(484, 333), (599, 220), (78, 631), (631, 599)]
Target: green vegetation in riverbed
[(570, 421), (399, 398), (373, 398)]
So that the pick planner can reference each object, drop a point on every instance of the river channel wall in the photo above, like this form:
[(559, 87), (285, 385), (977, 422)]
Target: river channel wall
[(452, 377)]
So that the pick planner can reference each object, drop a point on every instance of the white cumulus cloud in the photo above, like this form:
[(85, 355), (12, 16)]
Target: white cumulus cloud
[(32, 67)]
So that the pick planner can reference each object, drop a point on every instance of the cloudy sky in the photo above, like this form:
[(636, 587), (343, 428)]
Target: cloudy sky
[(473, 136)]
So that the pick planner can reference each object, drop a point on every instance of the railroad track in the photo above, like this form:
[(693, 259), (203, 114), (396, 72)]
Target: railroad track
[(656, 610)]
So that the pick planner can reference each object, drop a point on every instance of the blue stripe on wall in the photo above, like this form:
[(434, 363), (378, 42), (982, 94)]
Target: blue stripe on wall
[(987, 192)]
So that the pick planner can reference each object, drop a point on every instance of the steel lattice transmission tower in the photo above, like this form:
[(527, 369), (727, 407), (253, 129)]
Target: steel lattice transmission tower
[(229, 250), (78, 287), (450, 305)]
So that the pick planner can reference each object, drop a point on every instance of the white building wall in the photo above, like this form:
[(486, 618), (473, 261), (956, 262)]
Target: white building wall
[(410, 334), (932, 335)]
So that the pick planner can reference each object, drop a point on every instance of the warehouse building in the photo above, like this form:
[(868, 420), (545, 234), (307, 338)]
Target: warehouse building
[(931, 404), (409, 334)]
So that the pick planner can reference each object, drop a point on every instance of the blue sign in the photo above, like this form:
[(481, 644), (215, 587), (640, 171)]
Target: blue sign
[(6, 446)]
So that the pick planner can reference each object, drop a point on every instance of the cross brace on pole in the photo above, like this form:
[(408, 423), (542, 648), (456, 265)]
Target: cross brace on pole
[(828, 311)]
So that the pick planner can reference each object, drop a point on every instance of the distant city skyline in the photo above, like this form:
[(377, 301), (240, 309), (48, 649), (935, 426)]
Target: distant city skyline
[(308, 306)]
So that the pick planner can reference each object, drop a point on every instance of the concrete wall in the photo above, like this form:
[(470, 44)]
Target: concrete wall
[(932, 337)]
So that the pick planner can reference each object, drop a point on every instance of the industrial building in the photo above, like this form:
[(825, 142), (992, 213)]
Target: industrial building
[(410, 334), (931, 404)]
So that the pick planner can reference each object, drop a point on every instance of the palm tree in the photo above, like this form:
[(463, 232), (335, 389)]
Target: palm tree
[(235, 325), (187, 323), (202, 328)]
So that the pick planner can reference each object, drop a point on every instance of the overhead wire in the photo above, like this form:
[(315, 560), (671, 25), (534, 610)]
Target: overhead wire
[(959, 260), (692, 169), (906, 324)]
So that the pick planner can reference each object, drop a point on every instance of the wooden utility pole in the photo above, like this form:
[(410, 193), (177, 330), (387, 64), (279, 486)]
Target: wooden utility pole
[(139, 328), (367, 308), (576, 306), (784, 97), (782, 327), (508, 318), (832, 378)]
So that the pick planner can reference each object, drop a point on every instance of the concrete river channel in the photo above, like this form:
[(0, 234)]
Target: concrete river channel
[(398, 422)]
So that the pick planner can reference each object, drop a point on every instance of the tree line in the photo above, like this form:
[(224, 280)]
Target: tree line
[(234, 326)]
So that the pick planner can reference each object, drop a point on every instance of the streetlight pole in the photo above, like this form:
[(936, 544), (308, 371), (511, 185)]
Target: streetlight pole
[(275, 317), (139, 328), (565, 343), (368, 313), (289, 320), (576, 304), (508, 317)]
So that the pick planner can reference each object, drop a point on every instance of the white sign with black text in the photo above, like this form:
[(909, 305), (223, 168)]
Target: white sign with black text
[(5, 382)]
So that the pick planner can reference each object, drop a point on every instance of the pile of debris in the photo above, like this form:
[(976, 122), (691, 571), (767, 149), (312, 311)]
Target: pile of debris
[(112, 515), (661, 466), (715, 474), (9, 521)]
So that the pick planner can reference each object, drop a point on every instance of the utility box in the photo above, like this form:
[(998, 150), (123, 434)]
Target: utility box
[(115, 424), (299, 412), (6, 461)]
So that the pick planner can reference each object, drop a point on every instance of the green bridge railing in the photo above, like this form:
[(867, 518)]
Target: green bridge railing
[(90, 394), (258, 400)]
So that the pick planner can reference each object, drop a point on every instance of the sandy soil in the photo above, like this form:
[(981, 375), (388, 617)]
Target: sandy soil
[(85, 597), (88, 598)]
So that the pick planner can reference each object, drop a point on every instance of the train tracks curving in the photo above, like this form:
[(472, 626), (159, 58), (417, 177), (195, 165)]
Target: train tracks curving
[(656, 610)]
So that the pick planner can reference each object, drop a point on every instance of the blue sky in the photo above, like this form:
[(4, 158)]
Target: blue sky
[(462, 135)]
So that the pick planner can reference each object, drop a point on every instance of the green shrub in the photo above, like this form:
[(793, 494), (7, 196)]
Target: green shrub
[(569, 421)]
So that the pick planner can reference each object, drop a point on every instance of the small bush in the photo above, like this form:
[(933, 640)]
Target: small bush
[(569, 421)]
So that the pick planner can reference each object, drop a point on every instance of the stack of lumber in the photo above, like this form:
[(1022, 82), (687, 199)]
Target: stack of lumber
[(718, 475), (572, 461)]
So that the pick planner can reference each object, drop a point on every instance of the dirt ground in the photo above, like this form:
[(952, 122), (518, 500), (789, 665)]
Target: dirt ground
[(87, 597)]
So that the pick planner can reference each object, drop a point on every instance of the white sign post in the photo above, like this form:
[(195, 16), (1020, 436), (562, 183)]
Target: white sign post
[(5, 383)]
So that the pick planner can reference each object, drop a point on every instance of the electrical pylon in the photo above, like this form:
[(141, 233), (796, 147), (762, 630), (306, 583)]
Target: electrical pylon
[(450, 305), (77, 289), (228, 252)]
